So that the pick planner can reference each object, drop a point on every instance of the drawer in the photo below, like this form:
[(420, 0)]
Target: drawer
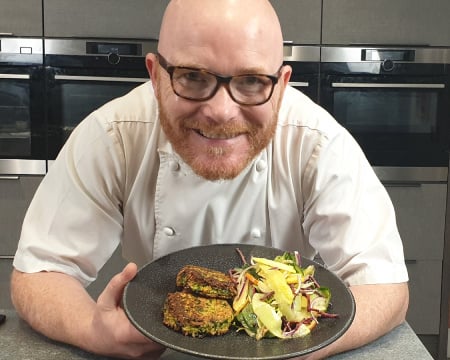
[(16, 193), (420, 210), (5, 273), (424, 296)]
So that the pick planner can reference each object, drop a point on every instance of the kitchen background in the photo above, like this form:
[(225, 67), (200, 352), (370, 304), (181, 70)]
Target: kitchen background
[(381, 67)]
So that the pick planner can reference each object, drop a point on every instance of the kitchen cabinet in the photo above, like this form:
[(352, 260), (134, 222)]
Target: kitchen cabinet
[(137, 19), (421, 210), (386, 22), (16, 193), (300, 20), (21, 17), (5, 272)]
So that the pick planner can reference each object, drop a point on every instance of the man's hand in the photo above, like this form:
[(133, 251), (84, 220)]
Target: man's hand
[(109, 318), (58, 306)]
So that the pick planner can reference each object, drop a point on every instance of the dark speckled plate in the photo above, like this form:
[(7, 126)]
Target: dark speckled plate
[(144, 297)]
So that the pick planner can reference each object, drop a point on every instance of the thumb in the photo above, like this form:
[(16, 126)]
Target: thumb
[(111, 296)]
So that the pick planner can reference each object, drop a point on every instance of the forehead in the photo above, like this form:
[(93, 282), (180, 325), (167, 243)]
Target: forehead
[(220, 38)]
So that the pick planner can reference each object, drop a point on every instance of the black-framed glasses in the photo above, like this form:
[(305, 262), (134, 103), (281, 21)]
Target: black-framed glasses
[(201, 85)]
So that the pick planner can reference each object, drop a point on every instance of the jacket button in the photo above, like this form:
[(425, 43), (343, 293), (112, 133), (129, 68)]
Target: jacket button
[(255, 233), (168, 231), (174, 166), (261, 165)]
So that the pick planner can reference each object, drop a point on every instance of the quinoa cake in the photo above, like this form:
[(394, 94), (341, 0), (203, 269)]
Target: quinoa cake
[(197, 316), (206, 282)]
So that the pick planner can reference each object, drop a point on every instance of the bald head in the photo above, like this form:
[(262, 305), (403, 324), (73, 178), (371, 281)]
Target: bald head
[(200, 32)]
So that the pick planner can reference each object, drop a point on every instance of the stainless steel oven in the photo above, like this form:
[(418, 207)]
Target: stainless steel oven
[(395, 101), (82, 75), (305, 63), (22, 120)]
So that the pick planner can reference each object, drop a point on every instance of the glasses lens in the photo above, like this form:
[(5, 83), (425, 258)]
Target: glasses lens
[(193, 84), (251, 89)]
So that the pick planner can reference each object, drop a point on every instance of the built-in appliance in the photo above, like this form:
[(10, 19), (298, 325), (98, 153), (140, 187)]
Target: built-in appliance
[(22, 120), (395, 102), (82, 75), (305, 63)]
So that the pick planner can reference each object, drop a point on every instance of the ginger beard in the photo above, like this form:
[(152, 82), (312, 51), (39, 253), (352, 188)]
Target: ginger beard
[(216, 162)]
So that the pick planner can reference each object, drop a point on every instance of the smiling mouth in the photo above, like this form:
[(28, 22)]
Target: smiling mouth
[(217, 136)]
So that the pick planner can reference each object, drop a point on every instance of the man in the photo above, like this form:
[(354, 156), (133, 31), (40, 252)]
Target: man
[(217, 148)]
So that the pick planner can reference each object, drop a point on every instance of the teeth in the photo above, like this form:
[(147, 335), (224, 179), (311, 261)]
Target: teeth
[(216, 136)]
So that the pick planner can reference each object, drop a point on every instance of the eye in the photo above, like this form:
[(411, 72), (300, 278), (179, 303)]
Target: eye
[(191, 77), (251, 82)]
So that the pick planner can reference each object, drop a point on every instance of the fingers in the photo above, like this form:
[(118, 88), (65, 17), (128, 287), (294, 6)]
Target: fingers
[(111, 297)]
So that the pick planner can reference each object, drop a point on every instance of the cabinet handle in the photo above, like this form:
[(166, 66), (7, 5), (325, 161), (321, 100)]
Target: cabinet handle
[(399, 184), (6, 34), (299, 83), (7, 177), (6, 257), (100, 78), (388, 85), (15, 76), (410, 261)]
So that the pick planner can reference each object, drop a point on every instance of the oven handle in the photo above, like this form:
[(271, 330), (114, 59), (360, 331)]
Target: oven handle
[(392, 85), (15, 76), (299, 83), (99, 78)]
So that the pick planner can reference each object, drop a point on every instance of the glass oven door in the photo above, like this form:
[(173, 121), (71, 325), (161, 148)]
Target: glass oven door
[(22, 134), (72, 96), (398, 121)]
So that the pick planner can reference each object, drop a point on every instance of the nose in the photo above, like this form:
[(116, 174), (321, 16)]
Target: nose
[(221, 107)]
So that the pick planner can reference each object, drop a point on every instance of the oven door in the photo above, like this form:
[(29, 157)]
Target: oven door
[(74, 94), (305, 77), (22, 134), (398, 121)]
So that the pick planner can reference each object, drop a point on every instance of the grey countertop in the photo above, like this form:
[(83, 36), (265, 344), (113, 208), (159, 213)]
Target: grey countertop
[(19, 341)]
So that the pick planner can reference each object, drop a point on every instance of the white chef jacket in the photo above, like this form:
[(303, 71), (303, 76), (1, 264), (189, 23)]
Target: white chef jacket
[(118, 180)]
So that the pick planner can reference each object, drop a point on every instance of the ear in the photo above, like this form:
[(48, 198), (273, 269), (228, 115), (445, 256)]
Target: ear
[(286, 72), (151, 62)]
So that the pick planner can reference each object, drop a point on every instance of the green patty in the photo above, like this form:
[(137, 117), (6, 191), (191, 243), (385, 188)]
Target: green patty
[(197, 316), (206, 282)]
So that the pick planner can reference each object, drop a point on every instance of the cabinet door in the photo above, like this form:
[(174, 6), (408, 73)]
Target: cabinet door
[(300, 20), (387, 22), (420, 211), (21, 17), (138, 19), (15, 194), (5, 273), (424, 296)]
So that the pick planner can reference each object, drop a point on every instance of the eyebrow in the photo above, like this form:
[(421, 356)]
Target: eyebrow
[(253, 70), (244, 71)]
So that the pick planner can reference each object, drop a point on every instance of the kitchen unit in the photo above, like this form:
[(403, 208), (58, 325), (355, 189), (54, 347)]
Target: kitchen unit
[(22, 132), (83, 74), (300, 20), (386, 22), (19, 180), (394, 101), (305, 63), (103, 18), (21, 18)]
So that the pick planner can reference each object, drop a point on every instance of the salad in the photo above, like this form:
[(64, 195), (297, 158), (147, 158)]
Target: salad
[(278, 298)]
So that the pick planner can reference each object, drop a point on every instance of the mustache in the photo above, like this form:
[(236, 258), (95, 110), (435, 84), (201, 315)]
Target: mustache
[(228, 128)]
